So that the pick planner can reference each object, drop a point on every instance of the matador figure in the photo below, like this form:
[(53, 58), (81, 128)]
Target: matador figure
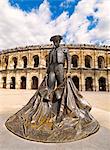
[(55, 68), (57, 112)]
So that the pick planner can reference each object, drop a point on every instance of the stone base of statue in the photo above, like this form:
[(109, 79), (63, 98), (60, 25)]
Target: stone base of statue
[(45, 118)]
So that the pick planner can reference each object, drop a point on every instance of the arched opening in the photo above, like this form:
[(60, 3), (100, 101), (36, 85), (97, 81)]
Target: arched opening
[(15, 62), (102, 84), (23, 83), (6, 62), (4, 82), (89, 84), (34, 83), (12, 84), (24, 61), (101, 62), (36, 60), (88, 61), (46, 58), (74, 61), (0, 62), (76, 81)]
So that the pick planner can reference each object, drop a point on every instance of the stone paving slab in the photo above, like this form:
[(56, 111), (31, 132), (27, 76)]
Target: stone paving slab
[(9, 141), (12, 101)]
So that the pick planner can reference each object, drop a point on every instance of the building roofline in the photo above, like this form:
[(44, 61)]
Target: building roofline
[(49, 46)]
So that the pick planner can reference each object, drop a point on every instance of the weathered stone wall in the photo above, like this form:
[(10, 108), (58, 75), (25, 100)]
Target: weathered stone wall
[(81, 72)]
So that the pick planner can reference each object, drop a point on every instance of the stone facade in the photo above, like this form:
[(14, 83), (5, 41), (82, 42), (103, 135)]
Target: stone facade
[(25, 67)]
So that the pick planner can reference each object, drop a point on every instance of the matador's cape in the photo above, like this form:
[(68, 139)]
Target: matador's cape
[(37, 119)]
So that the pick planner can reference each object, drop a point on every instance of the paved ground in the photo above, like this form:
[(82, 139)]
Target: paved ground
[(12, 100)]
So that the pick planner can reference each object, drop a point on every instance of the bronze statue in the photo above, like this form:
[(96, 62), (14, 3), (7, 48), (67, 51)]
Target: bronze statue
[(55, 68), (57, 112), (56, 61)]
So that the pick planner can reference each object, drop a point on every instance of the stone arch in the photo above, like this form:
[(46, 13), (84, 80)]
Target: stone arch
[(36, 60), (74, 61), (88, 61), (15, 61), (34, 84), (13, 83), (102, 84), (6, 62), (24, 58), (89, 84), (76, 81), (4, 82), (23, 83), (101, 62)]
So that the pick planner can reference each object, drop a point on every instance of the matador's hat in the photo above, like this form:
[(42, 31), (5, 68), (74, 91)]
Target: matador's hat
[(56, 37)]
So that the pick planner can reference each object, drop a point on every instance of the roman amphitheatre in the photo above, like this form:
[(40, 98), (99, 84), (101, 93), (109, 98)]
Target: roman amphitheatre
[(25, 67), (21, 72)]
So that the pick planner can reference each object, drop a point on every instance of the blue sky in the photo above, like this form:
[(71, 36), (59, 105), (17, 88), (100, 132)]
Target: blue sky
[(56, 6), (32, 22)]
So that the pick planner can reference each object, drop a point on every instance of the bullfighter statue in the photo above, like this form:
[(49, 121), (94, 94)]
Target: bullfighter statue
[(57, 112)]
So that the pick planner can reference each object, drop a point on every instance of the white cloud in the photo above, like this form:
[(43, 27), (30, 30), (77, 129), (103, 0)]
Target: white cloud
[(78, 22), (18, 28), (102, 31), (78, 28)]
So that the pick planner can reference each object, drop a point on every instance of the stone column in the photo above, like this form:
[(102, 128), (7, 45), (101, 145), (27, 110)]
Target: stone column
[(97, 84), (107, 71), (10, 63), (82, 82), (42, 60), (81, 65), (0, 63), (30, 60), (28, 81), (95, 64), (82, 57), (8, 81), (109, 81), (3, 62), (39, 75), (1, 81), (94, 82), (20, 61), (18, 81), (109, 61)]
